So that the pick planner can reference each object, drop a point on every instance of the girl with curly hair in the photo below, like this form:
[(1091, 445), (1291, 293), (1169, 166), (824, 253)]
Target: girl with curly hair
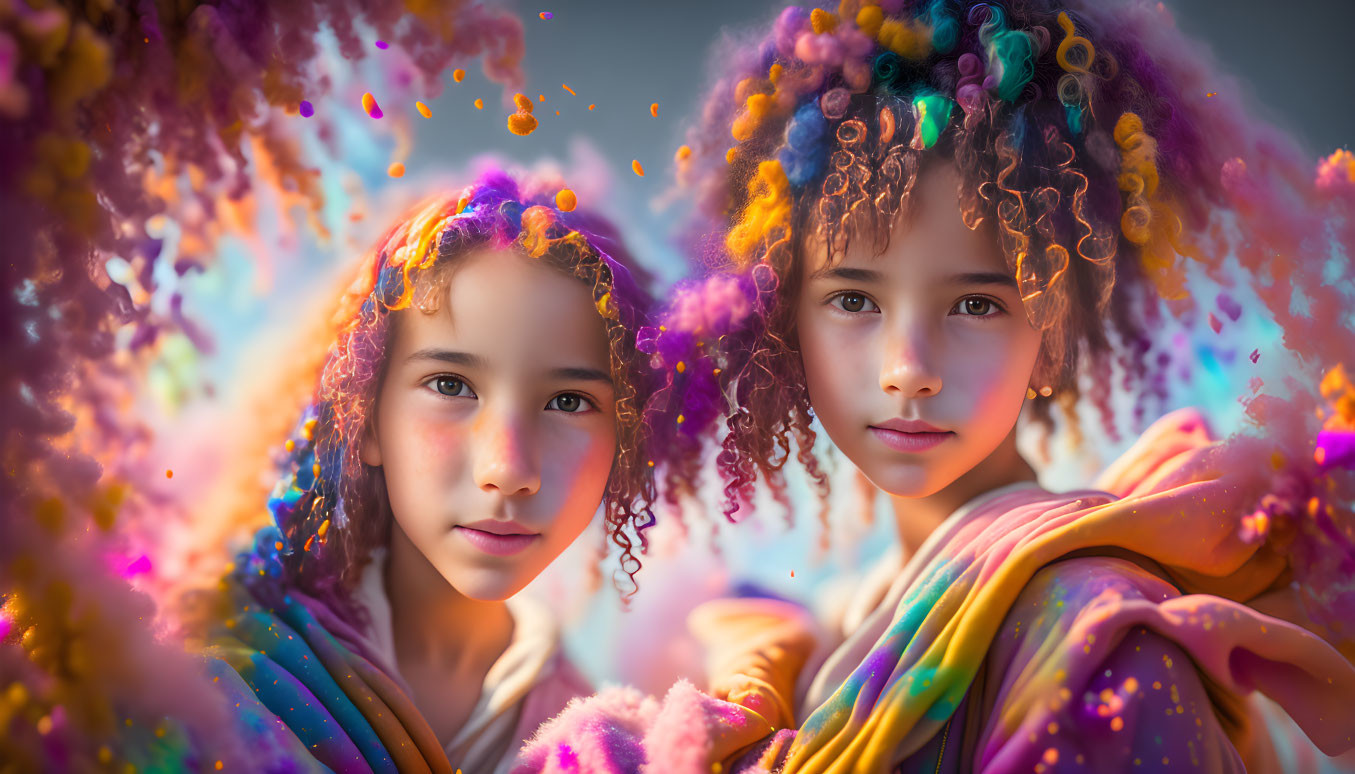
[(940, 216), (482, 398)]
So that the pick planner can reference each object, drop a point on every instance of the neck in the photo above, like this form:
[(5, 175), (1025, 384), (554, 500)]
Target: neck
[(918, 517), (435, 627)]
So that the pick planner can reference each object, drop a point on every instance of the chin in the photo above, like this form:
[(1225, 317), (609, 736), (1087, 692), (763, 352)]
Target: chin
[(487, 585), (903, 480)]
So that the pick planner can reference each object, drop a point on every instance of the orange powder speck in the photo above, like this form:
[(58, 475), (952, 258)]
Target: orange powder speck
[(219, 766), (458, 75), (639, 170), (557, 112), (523, 102), (1051, 756), (684, 152), (396, 170), (423, 110), (565, 86), (590, 107), (1116, 723), (1212, 94), (729, 155), (654, 110), (566, 200), (522, 124), (792, 573), (479, 104), (541, 97), (169, 474), (290, 445)]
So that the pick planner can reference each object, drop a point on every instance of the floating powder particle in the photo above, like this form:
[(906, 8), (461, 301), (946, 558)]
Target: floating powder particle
[(369, 105), (396, 170)]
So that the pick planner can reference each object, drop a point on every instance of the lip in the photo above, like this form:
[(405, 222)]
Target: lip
[(908, 426), (910, 435), (497, 538)]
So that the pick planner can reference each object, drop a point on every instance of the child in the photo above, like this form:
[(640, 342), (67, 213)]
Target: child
[(944, 215), (481, 401)]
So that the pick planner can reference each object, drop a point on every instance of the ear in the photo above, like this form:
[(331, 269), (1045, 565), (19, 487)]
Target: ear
[(369, 450)]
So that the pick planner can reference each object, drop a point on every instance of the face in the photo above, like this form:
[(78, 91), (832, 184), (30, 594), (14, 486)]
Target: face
[(494, 425), (917, 360)]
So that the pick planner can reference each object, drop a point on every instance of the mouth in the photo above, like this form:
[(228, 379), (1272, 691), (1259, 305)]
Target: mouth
[(910, 435), (497, 538)]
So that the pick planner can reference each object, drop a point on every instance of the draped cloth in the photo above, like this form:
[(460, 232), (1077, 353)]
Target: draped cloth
[(1092, 628), (316, 693)]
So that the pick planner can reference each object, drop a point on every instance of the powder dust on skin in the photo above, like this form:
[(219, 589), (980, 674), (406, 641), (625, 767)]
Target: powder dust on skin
[(933, 329), (498, 406)]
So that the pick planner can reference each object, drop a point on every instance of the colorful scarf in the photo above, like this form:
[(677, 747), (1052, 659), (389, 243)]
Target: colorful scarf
[(311, 690), (1213, 519)]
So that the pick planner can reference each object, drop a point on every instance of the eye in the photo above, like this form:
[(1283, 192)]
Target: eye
[(570, 403), (976, 306), (853, 302), (451, 387)]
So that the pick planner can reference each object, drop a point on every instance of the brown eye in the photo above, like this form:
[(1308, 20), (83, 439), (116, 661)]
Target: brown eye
[(976, 306), (853, 302), (452, 387)]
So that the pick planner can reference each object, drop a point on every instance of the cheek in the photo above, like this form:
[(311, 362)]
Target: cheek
[(576, 462), (837, 371), (996, 374), (422, 448)]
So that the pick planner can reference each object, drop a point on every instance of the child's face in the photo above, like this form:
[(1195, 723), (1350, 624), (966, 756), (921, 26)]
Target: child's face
[(918, 360), (495, 425)]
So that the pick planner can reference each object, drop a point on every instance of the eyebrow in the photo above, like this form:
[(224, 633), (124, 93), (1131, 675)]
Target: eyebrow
[(582, 374), (869, 275), (848, 273), (448, 356), (467, 360), (983, 278)]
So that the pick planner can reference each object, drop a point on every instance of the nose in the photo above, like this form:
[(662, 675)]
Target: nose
[(907, 370), (505, 455)]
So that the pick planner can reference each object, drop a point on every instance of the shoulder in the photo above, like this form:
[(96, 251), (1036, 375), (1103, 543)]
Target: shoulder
[(1070, 678)]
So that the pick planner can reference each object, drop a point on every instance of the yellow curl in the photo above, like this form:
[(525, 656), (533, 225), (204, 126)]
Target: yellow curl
[(755, 110), (869, 19), (822, 21), (1070, 41), (767, 211), (908, 40)]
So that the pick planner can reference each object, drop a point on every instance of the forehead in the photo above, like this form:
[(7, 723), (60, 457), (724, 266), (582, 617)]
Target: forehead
[(504, 305), (928, 235)]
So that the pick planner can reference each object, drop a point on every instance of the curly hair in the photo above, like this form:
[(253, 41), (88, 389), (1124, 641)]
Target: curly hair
[(329, 507), (1084, 137)]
